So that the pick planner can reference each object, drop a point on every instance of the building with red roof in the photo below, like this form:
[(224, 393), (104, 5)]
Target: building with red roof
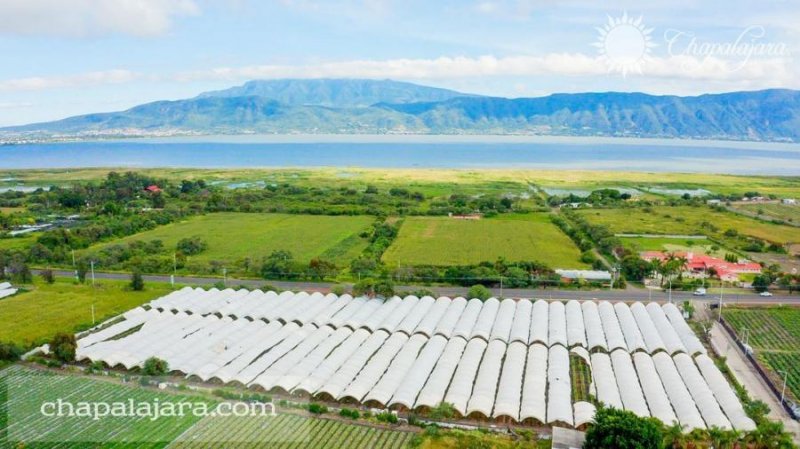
[(702, 263)]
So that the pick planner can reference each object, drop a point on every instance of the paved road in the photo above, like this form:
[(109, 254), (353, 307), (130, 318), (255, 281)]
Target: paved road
[(630, 294)]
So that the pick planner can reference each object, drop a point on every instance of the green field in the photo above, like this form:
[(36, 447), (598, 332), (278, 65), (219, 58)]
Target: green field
[(234, 236), (775, 338), (18, 242), (686, 220), (697, 246), (287, 431), (23, 424), (32, 317), (445, 241), (768, 211)]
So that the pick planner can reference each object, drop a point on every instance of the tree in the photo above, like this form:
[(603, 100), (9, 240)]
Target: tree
[(634, 267), (277, 265), (384, 288), (761, 283), (623, 430), (63, 346), (155, 367), (137, 281), (19, 271), (191, 246), (480, 292)]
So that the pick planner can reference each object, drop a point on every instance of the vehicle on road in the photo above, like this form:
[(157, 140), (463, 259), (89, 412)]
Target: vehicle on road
[(765, 294), (700, 292)]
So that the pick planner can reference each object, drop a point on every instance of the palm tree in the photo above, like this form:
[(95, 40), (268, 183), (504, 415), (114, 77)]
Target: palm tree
[(675, 438), (716, 435)]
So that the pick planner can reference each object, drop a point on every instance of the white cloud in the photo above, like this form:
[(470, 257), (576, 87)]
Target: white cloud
[(88, 79), (768, 72), (677, 74), (81, 18)]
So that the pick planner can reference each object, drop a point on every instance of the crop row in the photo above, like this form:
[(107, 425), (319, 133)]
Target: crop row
[(782, 363), (286, 431), (27, 390), (770, 329)]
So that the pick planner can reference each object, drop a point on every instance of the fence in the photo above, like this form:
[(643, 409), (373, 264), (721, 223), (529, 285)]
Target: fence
[(788, 405)]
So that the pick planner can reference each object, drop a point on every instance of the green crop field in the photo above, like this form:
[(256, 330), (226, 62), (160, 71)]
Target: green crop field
[(34, 316), (774, 334), (22, 423), (234, 236), (287, 431), (445, 241), (697, 246), (686, 220)]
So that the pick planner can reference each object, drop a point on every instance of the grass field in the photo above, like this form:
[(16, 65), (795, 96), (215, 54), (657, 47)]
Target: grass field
[(445, 241), (24, 425), (774, 334), (287, 431), (697, 246), (18, 242), (233, 236), (780, 211), (32, 317), (785, 187), (686, 220)]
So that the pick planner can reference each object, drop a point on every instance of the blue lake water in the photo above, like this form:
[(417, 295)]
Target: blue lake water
[(400, 152)]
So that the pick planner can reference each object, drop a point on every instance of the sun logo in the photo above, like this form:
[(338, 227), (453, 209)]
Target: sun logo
[(625, 44)]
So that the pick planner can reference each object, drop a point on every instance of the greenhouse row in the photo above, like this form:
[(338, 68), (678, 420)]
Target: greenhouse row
[(502, 366), (594, 326)]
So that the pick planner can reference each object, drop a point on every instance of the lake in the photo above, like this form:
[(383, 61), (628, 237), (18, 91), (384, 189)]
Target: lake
[(413, 151)]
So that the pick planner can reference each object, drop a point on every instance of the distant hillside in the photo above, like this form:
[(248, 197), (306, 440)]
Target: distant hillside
[(337, 93), (365, 106)]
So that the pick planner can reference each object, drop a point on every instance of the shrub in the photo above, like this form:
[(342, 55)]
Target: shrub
[(348, 413), (338, 290), (10, 351), (137, 281), (63, 346), (387, 417), (190, 246), (444, 410), (155, 367), (317, 409), (47, 276), (480, 292)]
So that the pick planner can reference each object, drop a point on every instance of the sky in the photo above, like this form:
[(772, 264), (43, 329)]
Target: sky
[(66, 57)]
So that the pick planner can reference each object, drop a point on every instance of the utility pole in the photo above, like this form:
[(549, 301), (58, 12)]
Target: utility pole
[(785, 380), (501, 286), (224, 276), (174, 269), (670, 290), (92, 264), (93, 314), (74, 267), (721, 289)]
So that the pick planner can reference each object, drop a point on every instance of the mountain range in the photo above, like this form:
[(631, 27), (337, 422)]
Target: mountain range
[(353, 106)]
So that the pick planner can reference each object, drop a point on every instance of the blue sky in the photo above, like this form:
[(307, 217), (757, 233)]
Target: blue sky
[(67, 57)]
